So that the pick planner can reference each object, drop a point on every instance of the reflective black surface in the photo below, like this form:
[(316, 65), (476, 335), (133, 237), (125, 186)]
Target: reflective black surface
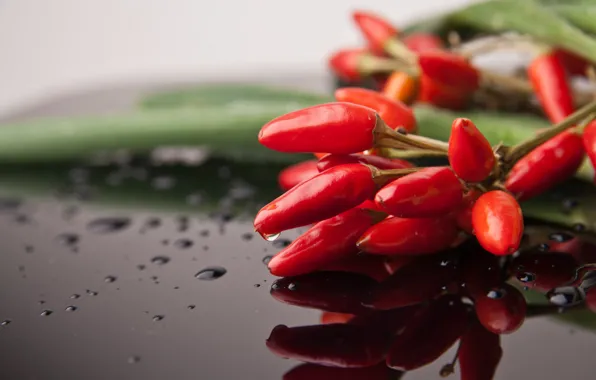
[(134, 270)]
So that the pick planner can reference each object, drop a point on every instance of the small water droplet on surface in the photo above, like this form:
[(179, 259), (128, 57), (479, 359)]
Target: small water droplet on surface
[(75, 296), (29, 249), (68, 239), (565, 296), (46, 313), (22, 219), (41, 302), (275, 286), (5, 322), (271, 237), (108, 225), (151, 223), (157, 318), (92, 293), (281, 243), (141, 267), (191, 307), (560, 237), (267, 259), (183, 243), (160, 260), (110, 279), (165, 242), (247, 236), (204, 233), (134, 359), (496, 293), (292, 286), (526, 277), (543, 247), (211, 273), (183, 223), (257, 285), (71, 308)]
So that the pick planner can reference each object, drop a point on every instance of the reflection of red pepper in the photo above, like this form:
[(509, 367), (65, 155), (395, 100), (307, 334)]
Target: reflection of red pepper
[(376, 30), (549, 80), (328, 317), (551, 163), (544, 271), (429, 192), (470, 153), (479, 353), (589, 139), (399, 236), (310, 371), (426, 337), (393, 112), (481, 272), (501, 311), (419, 42), (324, 243), (498, 222), (331, 160), (293, 175), (463, 216), (368, 265), (325, 195)]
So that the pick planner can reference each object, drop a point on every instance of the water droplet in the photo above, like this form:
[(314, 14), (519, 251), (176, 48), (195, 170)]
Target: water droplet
[(204, 233), (71, 308), (22, 219), (133, 359), (163, 183), (160, 260), (46, 313), (247, 236), (141, 267), (275, 286), (165, 242), (110, 279), (292, 286), (444, 263), (70, 212), (191, 307), (151, 223), (543, 247), (41, 302), (157, 318), (91, 293), (281, 243), (5, 322), (211, 273), (266, 259), (68, 239), (496, 293), (257, 285), (565, 296), (29, 249), (75, 296), (183, 223), (108, 225), (560, 237), (526, 277), (271, 237), (183, 243)]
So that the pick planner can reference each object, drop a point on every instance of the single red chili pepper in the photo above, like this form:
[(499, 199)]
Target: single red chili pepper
[(293, 175), (429, 192), (470, 154), (376, 30), (367, 265), (481, 272), (338, 345), (501, 311), (463, 216), (324, 243), (440, 95), (551, 85), (479, 353), (551, 163), (340, 128), (426, 336), (449, 69), (573, 63), (323, 196), (401, 86), (419, 281), (389, 322), (328, 291), (329, 317), (419, 42), (589, 140), (498, 222), (393, 112), (311, 371), (347, 63), (544, 271), (331, 160), (415, 236)]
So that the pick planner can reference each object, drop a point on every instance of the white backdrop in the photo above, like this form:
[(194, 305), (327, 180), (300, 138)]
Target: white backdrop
[(50, 46)]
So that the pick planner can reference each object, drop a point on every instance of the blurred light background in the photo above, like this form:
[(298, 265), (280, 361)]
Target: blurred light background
[(53, 46)]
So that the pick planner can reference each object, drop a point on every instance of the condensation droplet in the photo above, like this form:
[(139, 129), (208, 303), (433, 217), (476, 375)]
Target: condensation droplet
[(160, 260), (211, 273)]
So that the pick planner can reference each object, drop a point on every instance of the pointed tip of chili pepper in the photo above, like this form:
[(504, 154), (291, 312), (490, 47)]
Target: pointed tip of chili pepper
[(345, 63), (470, 154), (375, 29)]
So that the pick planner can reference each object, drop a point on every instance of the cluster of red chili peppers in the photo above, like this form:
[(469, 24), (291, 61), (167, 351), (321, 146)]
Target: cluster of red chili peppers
[(367, 202)]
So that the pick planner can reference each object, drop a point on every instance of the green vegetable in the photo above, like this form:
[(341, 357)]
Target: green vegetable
[(581, 16)]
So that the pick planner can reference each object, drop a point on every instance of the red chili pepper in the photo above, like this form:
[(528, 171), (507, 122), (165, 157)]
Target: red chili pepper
[(369, 205), (481, 272), (393, 112), (328, 291), (463, 216), (367, 265), (573, 63), (440, 95), (549, 80), (293, 175), (479, 353), (389, 322), (551, 163), (376, 30), (401, 86), (324, 243), (347, 65), (449, 69), (498, 222), (310, 371), (329, 317), (340, 128), (416, 236), (323, 196), (427, 336), (332, 160), (501, 311), (589, 139), (419, 281), (470, 153), (338, 345), (544, 271), (419, 42), (429, 192)]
